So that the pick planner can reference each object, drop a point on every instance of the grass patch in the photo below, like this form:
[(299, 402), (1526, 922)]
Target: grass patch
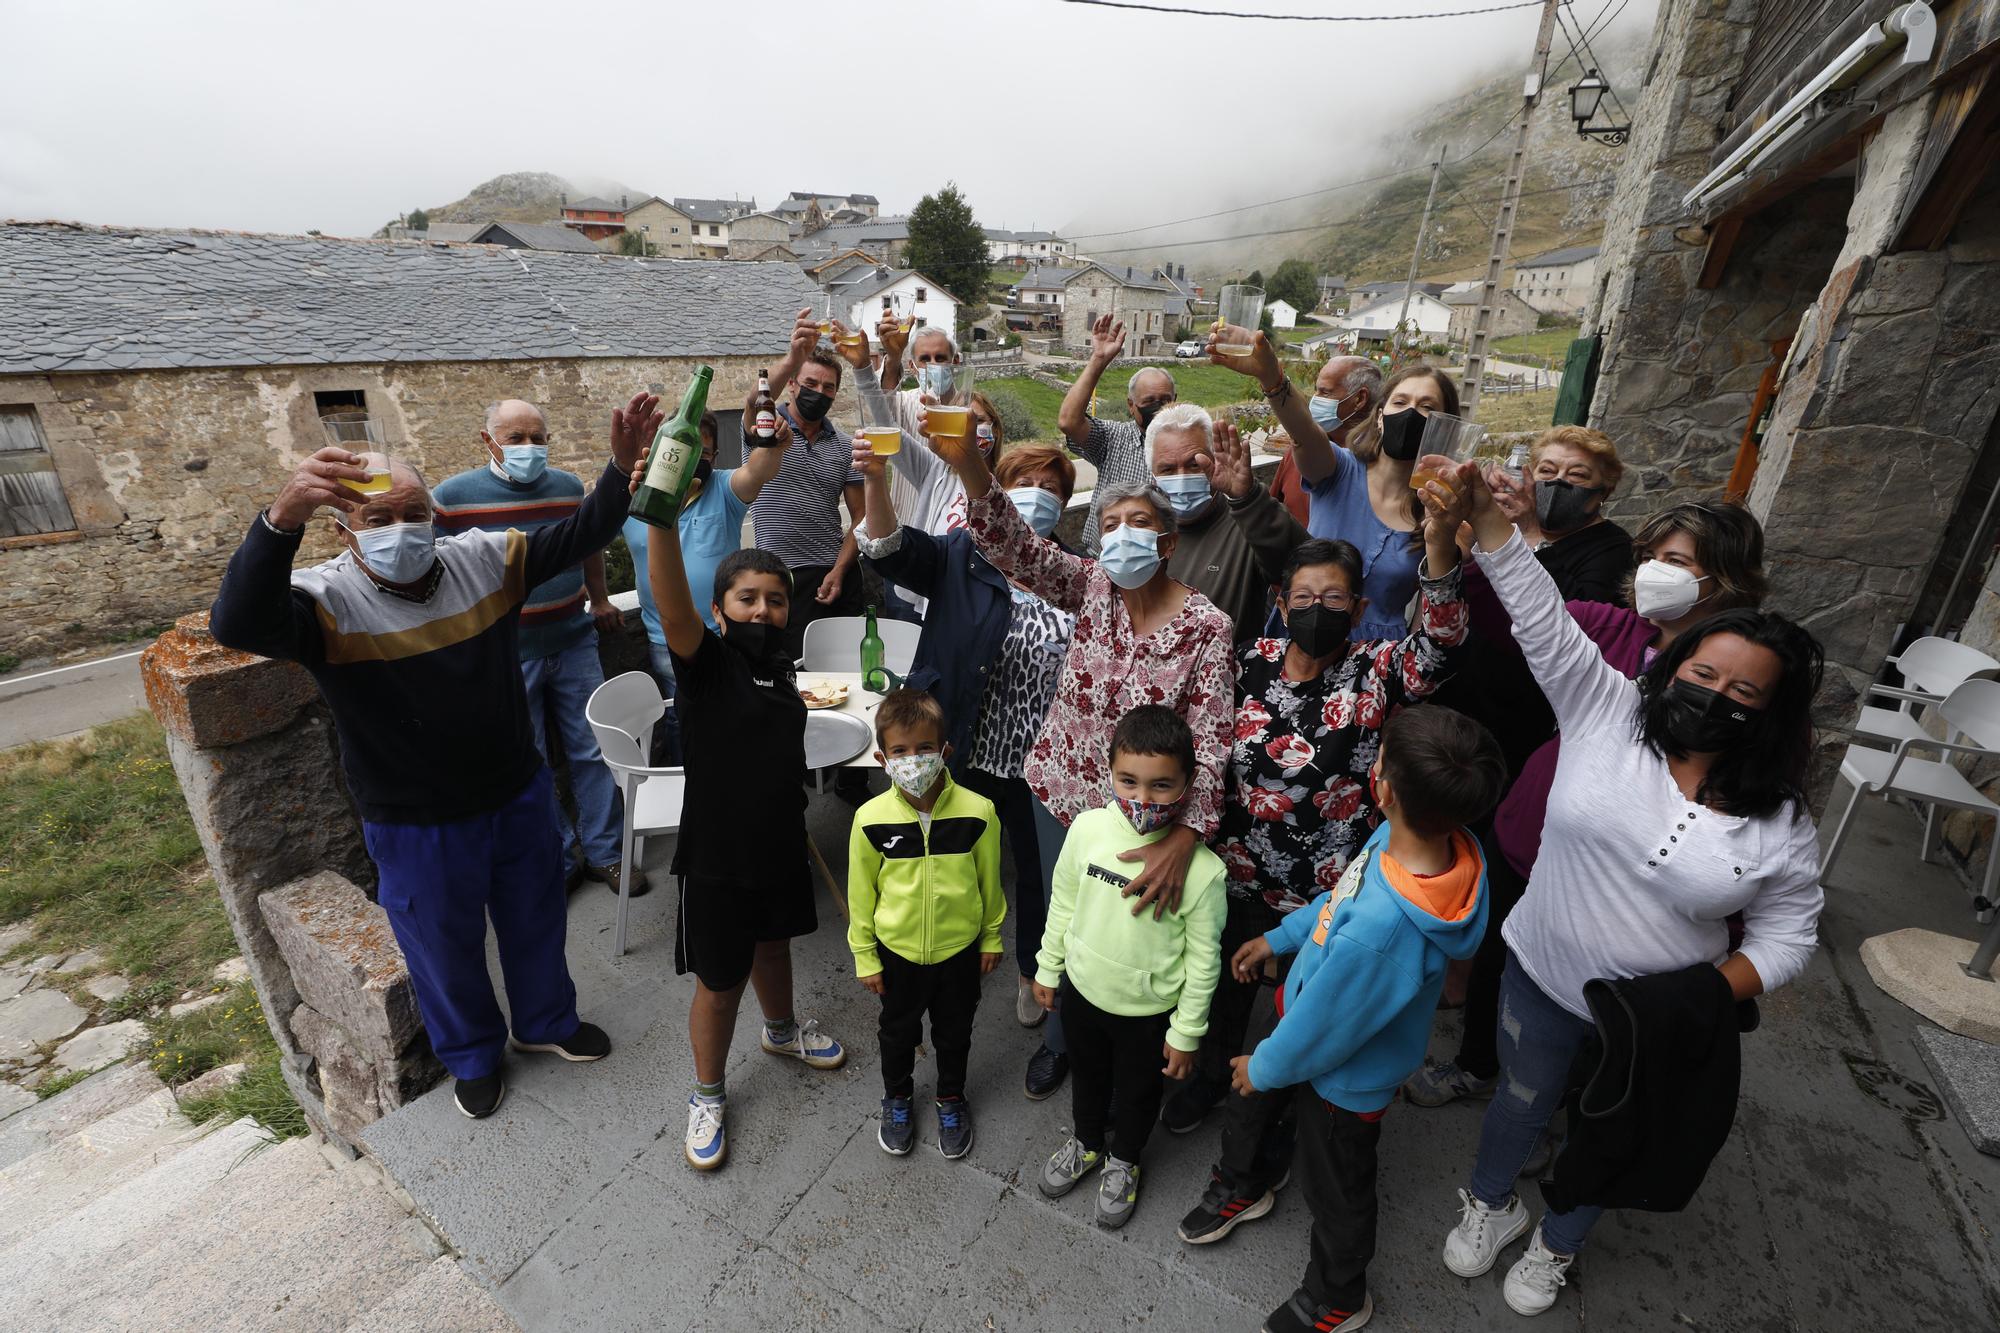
[(1544, 347), (260, 1094), (9, 662), (185, 1047), (49, 1087), (97, 851), (1517, 411)]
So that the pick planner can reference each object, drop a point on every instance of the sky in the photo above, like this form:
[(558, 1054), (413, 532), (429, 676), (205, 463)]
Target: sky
[(284, 116)]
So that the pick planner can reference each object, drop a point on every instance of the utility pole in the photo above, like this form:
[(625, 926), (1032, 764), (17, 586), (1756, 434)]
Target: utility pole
[(1417, 251), (1503, 221)]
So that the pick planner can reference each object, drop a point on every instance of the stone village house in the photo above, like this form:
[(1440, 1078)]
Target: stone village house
[(157, 387)]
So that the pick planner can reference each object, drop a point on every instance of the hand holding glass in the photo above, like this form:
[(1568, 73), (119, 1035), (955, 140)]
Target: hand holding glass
[(1240, 308), (1448, 437)]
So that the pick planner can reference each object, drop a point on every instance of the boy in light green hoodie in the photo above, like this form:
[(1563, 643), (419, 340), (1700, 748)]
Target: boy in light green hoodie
[(924, 910), (1133, 990)]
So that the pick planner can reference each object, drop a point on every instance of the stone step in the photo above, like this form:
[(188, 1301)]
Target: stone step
[(443, 1299), (30, 1131), (76, 1169)]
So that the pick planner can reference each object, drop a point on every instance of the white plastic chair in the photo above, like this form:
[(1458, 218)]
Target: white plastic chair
[(834, 644), (1971, 710), (1931, 669), (622, 712)]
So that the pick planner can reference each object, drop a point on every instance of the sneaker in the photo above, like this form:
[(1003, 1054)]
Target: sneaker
[(1183, 1112), (480, 1097), (1027, 1012), (608, 877), (808, 1043), (1071, 1163), (582, 1046), (1536, 1278), (1302, 1314), (1473, 1245), (1435, 1084), (899, 1127), (954, 1126), (1117, 1193), (706, 1144), (1046, 1072), (1221, 1210)]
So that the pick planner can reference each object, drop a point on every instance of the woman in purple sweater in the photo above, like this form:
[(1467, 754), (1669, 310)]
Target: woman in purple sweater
[(1694, 560)]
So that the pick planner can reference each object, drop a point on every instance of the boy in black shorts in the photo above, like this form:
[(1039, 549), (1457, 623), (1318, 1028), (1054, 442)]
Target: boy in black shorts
[(744, 893)]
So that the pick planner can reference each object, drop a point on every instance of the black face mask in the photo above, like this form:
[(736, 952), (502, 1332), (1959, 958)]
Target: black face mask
[(756, 641), (811, 404), (1318, 631), (1403, 434), (1564, 506), (1146, 414), (703, 470), (1701, 721)]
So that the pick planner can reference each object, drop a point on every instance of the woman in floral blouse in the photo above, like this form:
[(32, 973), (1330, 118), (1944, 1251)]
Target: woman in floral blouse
[(1140, 638), (1309, 715)]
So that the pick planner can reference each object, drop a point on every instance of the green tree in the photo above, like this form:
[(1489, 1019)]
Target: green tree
[(948, 245), (1294, 281), (1017, 423), (632, 243), (1256, 278), (418, 221)]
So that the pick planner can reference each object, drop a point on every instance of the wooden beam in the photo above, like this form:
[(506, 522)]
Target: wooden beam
[(1745, 470), (1721, 243), (1960, 148)]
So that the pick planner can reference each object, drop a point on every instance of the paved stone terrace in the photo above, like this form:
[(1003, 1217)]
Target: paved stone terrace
[(1842, 1199)]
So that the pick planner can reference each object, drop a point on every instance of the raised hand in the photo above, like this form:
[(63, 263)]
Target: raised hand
[(1260, 363), (889, 333), (633, 427), (805, 334), (1107, 340), (867, 462), (1232, 462), (316, 483), (852, 344)]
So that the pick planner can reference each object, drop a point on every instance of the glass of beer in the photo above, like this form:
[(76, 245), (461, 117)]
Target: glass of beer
[(826, 315), (906, 315), (359, 433), (880, 427), (1449, 437), (1240, 307), (949, 421)]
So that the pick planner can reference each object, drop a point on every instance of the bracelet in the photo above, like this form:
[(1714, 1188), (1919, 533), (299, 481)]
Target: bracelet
[(265, 514), (619, 470), (1273, 395)]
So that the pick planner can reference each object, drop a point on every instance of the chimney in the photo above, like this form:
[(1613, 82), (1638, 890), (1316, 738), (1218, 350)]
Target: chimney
[(622, 201), (563, 199), (1183, 272)]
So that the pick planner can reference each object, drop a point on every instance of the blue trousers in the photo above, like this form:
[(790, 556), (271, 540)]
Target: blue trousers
[(1537, 1041), (558, 688), (667, 731), (439, 883)]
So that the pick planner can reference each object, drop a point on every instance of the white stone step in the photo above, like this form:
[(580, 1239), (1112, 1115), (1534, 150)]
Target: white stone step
[(68, 1174), (443, 1299), (32, 1130)]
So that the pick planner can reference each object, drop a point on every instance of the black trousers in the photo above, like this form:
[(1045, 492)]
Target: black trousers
[(949, 993), (1477, 1054), (1337, 1169), (1112, 1056), (806, 606), (1014, 802), (1229, 1012), (1258, 1131)]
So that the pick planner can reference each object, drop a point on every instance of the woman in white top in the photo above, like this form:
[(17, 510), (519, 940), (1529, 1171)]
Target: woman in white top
[(1678, 799)]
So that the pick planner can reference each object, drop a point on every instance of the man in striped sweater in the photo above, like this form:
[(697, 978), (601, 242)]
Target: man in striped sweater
[(414, 643), (559, 664)]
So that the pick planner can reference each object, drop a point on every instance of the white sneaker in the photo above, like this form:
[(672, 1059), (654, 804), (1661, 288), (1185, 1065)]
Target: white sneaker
[(1475, 1243), (1536, 1278), (706, 1145), (808, 1043)]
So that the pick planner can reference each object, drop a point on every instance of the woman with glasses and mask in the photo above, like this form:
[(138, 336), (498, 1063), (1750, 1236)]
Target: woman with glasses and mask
[(1309, 714), (1559, 508), (1678, 800)]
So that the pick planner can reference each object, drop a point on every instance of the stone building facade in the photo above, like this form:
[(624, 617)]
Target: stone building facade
[(1134, 296), (164, 466)]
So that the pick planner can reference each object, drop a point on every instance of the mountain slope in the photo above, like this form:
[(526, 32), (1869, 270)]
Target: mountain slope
[(522, 196)]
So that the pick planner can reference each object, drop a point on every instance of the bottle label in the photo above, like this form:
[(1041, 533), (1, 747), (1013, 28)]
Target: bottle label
[(671, 465), (767, 424)]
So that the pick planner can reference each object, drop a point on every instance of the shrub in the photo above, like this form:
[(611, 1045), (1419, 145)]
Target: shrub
[(1016, 421)]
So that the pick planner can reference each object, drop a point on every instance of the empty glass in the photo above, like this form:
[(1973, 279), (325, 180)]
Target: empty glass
[(1240, 307)]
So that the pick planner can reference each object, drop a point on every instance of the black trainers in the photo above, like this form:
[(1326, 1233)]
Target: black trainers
[(1046, 1072), (585, 1044), (1221, 1211), (899, 1127), (1302, 1314), (480, 1097), (1183, 1112), (954, 1126)]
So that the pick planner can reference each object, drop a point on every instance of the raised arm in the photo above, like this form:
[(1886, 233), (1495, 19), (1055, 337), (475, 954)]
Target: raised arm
[(668, 574), (1107, 341), (1312, 450), (256, 610), (1001, 535), (1268, 526), (596, 521), (1411, 668), (889, 332), (804, 337), (761, 464)]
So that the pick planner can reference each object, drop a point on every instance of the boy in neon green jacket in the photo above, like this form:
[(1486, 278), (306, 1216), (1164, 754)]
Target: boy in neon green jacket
[(1133, 990), (924, 911)]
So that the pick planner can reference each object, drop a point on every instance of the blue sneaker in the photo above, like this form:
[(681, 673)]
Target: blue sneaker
[(954, 1126), (705, 1146), (808, 1044), (899, 1128)]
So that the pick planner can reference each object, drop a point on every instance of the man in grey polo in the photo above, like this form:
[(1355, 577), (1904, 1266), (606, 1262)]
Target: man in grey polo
[(1117, 449)]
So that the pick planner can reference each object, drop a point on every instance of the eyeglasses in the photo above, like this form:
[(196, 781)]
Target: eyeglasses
[(1332, 601)]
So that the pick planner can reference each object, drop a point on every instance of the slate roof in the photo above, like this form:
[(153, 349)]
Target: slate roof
[(592, 204), (1049, 277), (1574, 254), (533, 236), (454, 231), (76, 298), (1137, 277), (1036, 237)]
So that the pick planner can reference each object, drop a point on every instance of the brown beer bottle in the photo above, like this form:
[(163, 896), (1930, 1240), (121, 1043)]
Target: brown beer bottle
[(764, 423)]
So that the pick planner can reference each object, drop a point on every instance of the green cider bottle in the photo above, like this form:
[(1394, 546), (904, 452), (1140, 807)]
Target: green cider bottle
[(671, 462), (873, 678)]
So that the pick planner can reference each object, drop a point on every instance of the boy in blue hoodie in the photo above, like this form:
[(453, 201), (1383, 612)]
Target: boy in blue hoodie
[(1356, 1008)]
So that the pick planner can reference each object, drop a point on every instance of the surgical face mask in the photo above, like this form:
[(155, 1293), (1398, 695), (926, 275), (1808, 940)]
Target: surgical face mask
[(1661, 591), (524, 462), (1326, 412), (1130, 555), (811, 404), (755, 640), (934, 380), (1039, 509), (1403, 434), (1701, 721), (1318, 630), (1148, 816), (915, 773), (400, 552), (1189, 492), (1564, 506)]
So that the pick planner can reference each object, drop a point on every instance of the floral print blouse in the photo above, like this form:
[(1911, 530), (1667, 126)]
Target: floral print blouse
[(1298, 802), (1185, 665)]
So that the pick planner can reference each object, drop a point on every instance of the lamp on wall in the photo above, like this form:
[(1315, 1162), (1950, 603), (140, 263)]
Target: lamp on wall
[(1584, 100)]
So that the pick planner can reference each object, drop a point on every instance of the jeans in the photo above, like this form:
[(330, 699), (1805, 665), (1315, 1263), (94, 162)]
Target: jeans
[(558, 688), (1538, 1039), (1049, 835), (1015, 804), (667, 732), (1505, 885)]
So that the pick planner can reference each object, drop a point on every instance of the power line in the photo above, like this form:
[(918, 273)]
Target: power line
[(1581, 40), (1306, 18)]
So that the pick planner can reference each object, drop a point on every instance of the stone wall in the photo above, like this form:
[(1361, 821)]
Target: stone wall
[(165, 469)]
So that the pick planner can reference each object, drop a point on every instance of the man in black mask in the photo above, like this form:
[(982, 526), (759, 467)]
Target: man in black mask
[(797, 515), (1117, 449)]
